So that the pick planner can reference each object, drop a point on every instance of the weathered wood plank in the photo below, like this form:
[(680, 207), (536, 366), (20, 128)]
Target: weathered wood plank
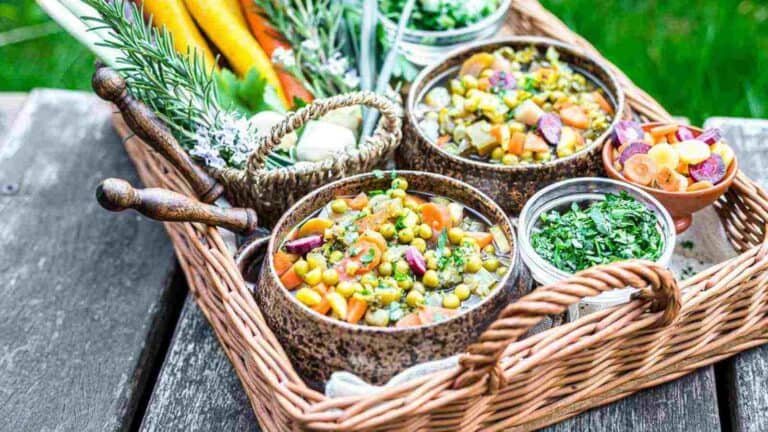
[(686, 405), (197, 389), (745, 376), (10, 104), (83, 293)]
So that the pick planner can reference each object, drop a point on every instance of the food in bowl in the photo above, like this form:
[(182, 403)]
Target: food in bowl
[(393, 258), (671, 157), (512, 107), (615, 228), (440, 15)]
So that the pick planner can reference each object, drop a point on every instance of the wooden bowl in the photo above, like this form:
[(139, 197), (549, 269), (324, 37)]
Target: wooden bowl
[(319, 345), (681, 205), (510, 186)]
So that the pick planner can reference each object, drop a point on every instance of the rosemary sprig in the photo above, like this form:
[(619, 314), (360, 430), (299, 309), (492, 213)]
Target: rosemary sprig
[(179, 88), (315, 30)]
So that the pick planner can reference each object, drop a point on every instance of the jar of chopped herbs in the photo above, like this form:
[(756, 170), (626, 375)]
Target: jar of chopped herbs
[(440, 15), (614, 229)]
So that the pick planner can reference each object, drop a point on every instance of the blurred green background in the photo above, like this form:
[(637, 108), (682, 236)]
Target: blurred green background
[(700, 59)]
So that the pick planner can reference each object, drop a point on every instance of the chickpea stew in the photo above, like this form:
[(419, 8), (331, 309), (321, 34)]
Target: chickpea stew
[(515, 107), (393, 258)]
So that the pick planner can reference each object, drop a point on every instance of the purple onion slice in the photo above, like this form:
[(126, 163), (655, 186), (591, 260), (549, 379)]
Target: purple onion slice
[(304, 245), (416, 261), (710, 136), (711, 170), (627, 131), (633, 149), (550, 127), (684, 134)]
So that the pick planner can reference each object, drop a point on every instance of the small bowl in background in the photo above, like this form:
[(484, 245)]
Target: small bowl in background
[(560, 196), (681, 205), (424, 47)]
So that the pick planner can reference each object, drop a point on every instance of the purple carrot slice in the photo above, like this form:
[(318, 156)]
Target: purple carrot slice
[(303, 245), (633, 149), (710, 136), (627, 131), (711, 169), (416, 261), (684, 134), (549, 127)]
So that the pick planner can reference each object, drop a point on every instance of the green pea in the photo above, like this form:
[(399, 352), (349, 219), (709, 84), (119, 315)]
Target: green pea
[(400, 183), (497, 154), (430, 279), (462, 291), (425, 231), (414, 298), (490, 250), (339, 206), (336, 256), (473, 264), (501, 271), (405, 283), (509, 159), (491, 264), (387, 230), (402, 267), (455, 235), (405, 235), (419, 244), (451, 301), (385, 269), (301, 267), (396, 193)]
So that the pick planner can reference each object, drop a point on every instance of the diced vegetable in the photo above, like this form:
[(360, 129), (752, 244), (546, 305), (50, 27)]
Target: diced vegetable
[(640, 169), (483, 239), (303, 245), (535, 143), (355, 309), (665, 156), (633, 149), (549, 127), (502, 245), (692, 151), (314, 226), (479, 135), (415, 261), (436, 216), (712, 170), (575, 116), (626, 132), (284, 261), (290, 279), (710, 136), (528, 113)]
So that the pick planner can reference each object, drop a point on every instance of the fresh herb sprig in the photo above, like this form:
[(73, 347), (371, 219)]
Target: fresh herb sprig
[(180, 88), (614, 229)]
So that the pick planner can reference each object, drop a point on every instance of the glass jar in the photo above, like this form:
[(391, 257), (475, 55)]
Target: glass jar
[(422, 47), (560, 196)]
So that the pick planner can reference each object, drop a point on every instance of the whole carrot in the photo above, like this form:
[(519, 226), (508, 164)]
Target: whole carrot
[(265, 34)]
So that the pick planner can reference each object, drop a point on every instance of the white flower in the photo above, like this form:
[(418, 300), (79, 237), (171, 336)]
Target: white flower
[(351, 79), (310, 44), (284, 57), (337, 65)]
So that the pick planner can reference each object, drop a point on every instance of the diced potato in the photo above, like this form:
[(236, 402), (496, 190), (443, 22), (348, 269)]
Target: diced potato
[(480, 137), (528, 112)]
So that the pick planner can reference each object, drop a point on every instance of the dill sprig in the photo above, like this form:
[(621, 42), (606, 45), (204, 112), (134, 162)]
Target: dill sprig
[(316, 31), (180, 89)]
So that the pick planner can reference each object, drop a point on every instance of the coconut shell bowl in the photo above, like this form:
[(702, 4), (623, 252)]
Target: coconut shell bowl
[(684, 200), (509, 185)]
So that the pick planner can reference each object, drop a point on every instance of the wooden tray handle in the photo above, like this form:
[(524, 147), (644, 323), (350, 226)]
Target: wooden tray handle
[(657, 285), (110, 86), (390, 122), (168, 206)]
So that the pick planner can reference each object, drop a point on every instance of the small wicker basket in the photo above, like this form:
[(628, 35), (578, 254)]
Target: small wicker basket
[(503, 383)]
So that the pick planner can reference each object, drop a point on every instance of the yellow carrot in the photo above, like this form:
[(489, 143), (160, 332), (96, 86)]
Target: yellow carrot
[(233, 6), (176, 18), (234, 40)]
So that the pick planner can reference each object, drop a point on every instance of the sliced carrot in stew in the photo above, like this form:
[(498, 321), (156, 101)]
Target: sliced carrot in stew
[(314, 226), (431, 314), (290, 279), (372, 221), (575, 116), (367, 255), (640, 169), (376, 238), (436, 216), (355, 309), (414, 200), (516, 144), (442, 140), (483, 239), (359, 202), (324, 306), (663, 130), (410, 320), (602, 102), (284, 261)]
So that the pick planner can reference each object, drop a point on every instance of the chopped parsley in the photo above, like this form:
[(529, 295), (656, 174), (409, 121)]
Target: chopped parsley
[(687, 244), (368, 257), (614, 229)]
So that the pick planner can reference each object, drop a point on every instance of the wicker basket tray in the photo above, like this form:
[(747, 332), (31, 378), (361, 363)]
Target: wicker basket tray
[(503, 383)]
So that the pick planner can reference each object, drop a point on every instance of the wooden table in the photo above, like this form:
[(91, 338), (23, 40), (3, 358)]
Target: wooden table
[(97, 332)]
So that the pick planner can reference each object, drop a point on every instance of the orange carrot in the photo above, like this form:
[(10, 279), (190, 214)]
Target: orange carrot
[(362, 249), (602, 102), (442, 140), (355, 309), (483, 239), (265, 35), (283, 261), (575, 116), (436, 216), (324, 306), (314, 226), (372, 221), (501, 134), (516, 143), (430, 314), (290, 279), (662, 130), (410, 320), (640, 169), (359, 202), (414, 200)]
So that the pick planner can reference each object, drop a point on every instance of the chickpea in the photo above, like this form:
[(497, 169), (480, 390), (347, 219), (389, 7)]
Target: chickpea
[(385, 269), (473, 264), (451, 301), (387, 230), (405, 235), (377, 317), (419, 244), (330, 277), (301, 267), (314, 276), (455, 235), (497, 154), (396, 193), (339, 206), (402, 267), (336, 256), (405, 283), (430, 279), (400, 183), (351, 268), (346, 288), (509, 159), (490, 249), (462, 291), (431, 262), (414, 298), (491, 264), (418, 286), (501, 271), (369, 279), (425, 231)]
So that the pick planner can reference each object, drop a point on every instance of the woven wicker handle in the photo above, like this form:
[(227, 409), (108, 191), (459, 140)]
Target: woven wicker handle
[(168, 206), (110, 86), (657, 285), (295, 120)]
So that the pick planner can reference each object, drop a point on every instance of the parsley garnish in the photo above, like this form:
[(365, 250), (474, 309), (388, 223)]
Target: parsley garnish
[(400, 222), (379, 174), (614, 229), (368, 256)]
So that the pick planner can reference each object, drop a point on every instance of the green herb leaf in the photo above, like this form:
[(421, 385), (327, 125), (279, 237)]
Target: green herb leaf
[(250, 95), (368, 256)]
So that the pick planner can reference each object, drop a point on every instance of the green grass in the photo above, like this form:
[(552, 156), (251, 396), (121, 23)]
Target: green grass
[(700, 59)]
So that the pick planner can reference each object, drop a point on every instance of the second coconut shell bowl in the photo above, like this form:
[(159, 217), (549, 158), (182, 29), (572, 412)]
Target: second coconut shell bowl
[(510, 186), (681, 205)]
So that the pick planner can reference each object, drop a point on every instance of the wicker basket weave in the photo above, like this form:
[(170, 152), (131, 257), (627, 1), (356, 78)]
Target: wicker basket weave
[(503, 383)]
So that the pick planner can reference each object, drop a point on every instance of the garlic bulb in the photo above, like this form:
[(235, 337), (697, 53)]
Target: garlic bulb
[(266, 120), (322, 140)]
